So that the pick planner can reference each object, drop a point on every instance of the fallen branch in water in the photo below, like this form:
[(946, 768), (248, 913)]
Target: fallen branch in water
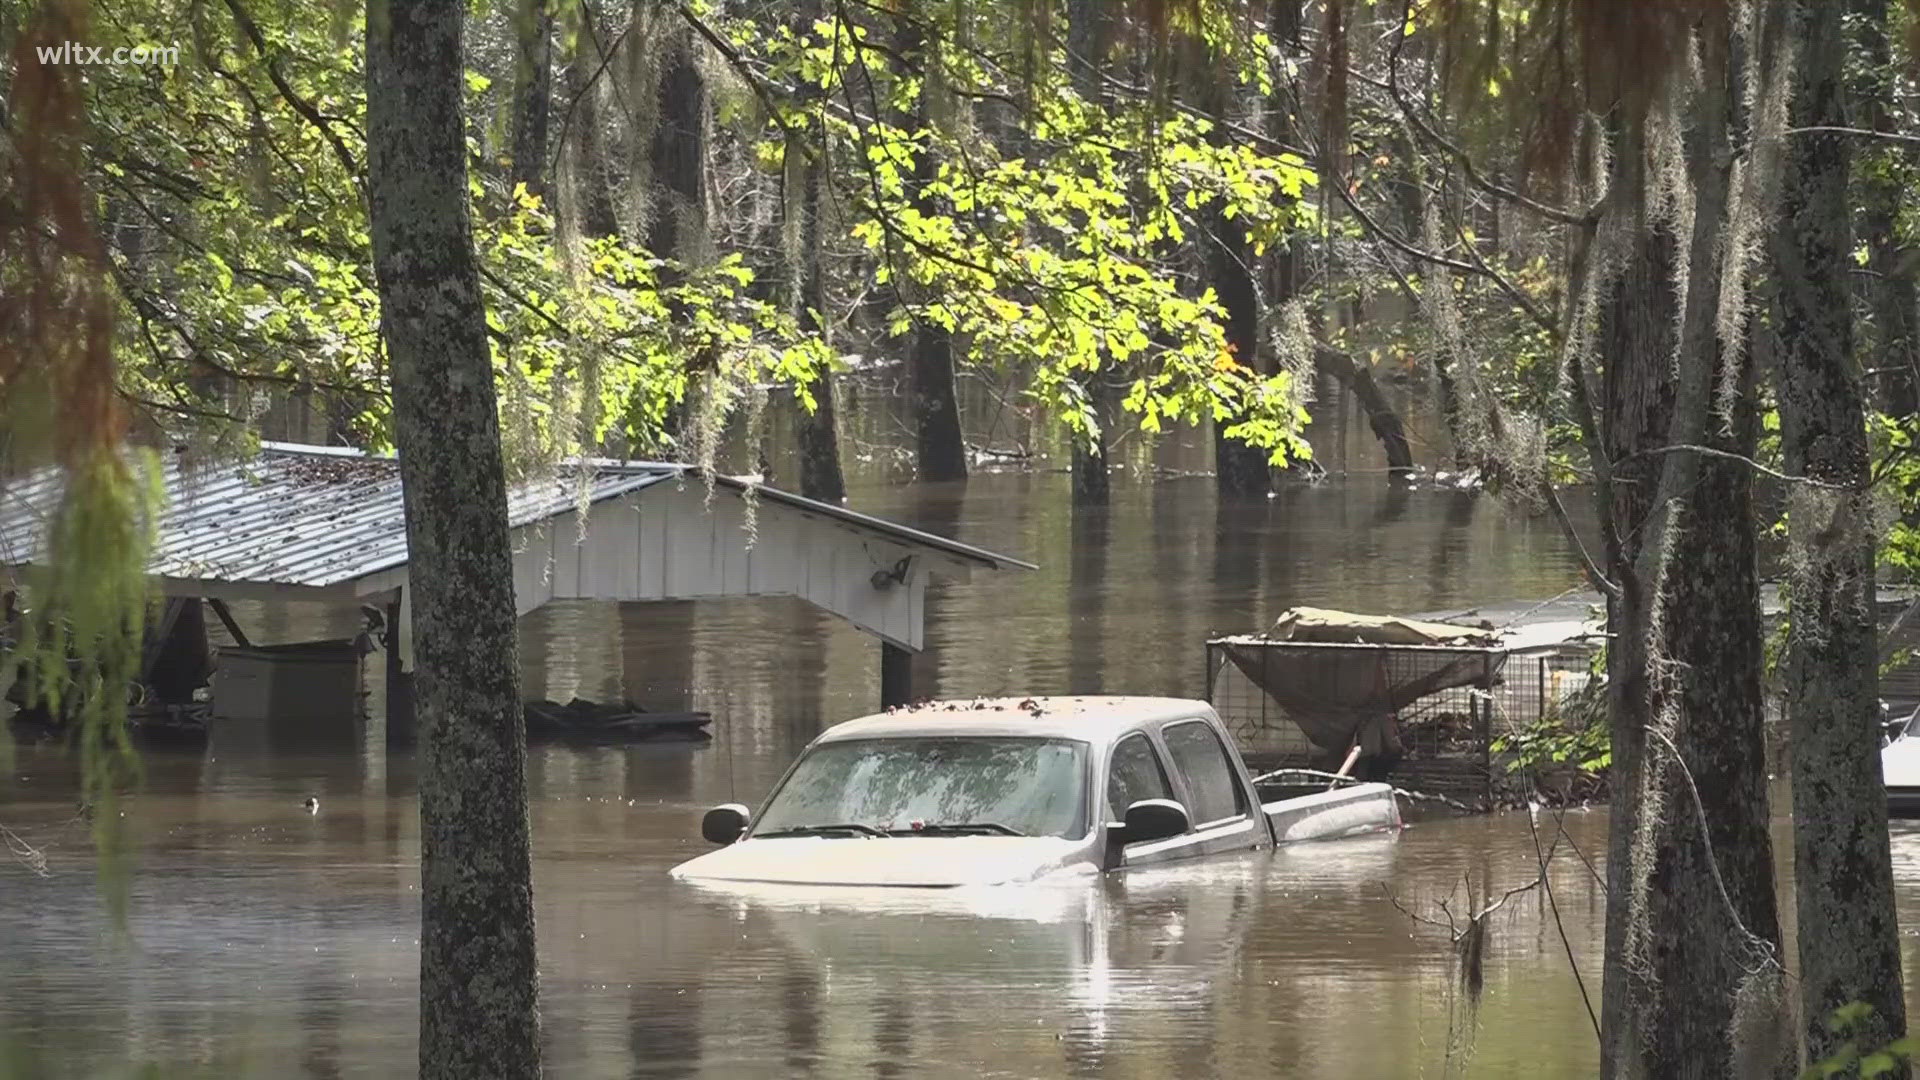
[(29, 856)]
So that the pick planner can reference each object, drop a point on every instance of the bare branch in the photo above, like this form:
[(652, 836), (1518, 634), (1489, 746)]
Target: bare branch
[(30, 857), (606, 57), (1539, 317), (293, 99), (1728, 455), (739, 63), (1554, 906), (1595, 574), (1448, 926), (1863, 133), (1427, 132)]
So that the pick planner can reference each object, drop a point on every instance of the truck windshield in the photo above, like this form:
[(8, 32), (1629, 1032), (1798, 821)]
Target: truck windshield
[(934, 786)]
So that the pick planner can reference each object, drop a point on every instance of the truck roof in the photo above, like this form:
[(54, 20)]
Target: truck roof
[(1094, 719)]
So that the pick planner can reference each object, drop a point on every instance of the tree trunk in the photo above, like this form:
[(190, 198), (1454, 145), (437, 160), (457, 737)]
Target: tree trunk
[(1636, 334), (677, 228), (532, 93), (1692, 983), (1239, 469), (940, 447), (1849, 940), (1703, 953), (1089, 34), (1893, 263), (592, 187), (478, 982), (821, 476)]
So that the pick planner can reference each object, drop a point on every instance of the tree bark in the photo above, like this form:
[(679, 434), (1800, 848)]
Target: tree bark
[(1089, 34), (1239, 469), (940, 447), (804, 275), (1381, 417), (479, 989), (1636, 334), (1893, 263), (821, 475), (1849, 939), (532, 93), (591, 180), (1703, 955), (1692, 982), (677, 228)]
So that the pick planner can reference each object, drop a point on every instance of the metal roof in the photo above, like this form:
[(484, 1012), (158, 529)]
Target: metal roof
[(319, 516)]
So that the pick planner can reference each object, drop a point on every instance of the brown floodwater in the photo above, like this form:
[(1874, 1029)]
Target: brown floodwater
[(266, 941)]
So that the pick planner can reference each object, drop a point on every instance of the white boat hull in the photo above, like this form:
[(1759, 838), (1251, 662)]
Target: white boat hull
[(1900, 766), (1331, 815)]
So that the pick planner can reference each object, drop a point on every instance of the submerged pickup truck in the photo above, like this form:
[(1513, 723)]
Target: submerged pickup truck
[(998, 791)]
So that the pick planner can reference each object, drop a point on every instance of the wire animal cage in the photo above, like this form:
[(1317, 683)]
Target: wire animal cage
[(1428, 713)]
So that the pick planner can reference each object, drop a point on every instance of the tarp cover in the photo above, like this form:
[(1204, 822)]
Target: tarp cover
[(1343, 627), (1340, 697)]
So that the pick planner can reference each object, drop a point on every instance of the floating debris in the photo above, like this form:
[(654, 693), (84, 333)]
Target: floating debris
[(609, 722)]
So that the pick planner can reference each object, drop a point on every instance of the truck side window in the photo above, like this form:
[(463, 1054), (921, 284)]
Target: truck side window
[(1200, 757), (1135, 774)]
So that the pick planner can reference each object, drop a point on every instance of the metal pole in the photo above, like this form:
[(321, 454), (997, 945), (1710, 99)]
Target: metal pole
[(400, 726), (1485, 727)]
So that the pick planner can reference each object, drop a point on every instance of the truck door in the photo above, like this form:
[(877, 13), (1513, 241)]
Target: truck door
[(1135, 772), (1224, 815)]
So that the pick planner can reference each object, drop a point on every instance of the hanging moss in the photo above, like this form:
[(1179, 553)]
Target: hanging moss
[(79, 641)]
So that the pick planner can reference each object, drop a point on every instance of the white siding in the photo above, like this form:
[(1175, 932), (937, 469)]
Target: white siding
[(665, 542)]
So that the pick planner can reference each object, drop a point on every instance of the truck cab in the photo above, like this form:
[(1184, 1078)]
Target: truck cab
[(1003, 790)]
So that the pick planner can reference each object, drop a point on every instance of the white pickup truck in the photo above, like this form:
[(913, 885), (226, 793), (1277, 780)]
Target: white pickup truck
[(1005, 790)]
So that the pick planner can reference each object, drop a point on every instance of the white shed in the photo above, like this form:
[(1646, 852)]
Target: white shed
[(319, 523)]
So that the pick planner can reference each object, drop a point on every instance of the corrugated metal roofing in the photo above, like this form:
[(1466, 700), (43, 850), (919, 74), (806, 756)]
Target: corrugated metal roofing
[(318, 516)]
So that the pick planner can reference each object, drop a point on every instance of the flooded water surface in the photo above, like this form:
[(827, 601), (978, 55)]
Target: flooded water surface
[(267, 941)]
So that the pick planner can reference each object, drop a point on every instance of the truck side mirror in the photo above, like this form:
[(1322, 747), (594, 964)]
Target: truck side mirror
[(1154, 819), (723, 824)]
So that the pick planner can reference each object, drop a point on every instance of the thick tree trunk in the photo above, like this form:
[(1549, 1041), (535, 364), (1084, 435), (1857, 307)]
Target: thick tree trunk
[(677, 228), (532, 93), (1692, 983), (1849, 940), (821, 475), (1089, 34), (1893, 263), (940, 447), (1705, 951), (1636, 335), (478, 981), (1239, 469)]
